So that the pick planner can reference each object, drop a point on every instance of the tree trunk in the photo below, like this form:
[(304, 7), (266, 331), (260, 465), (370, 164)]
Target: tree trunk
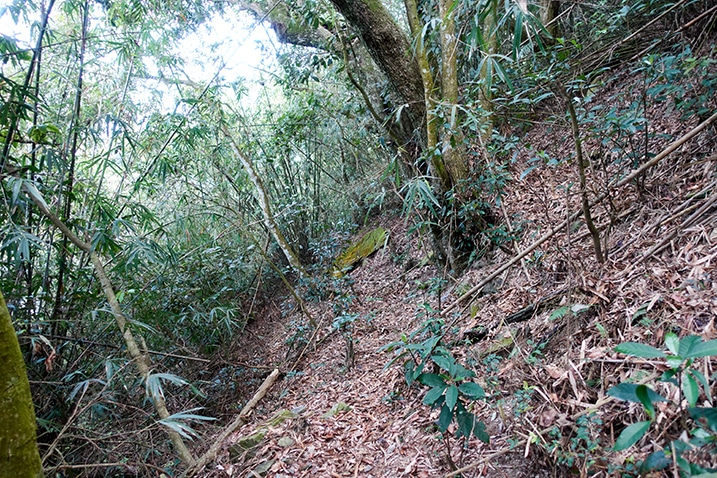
[(19, 457), (429, 95), (548, 16), (454, 155), (490, 36), (390, 49)]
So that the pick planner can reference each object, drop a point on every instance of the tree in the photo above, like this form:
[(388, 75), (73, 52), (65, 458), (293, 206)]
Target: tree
[(19, 457)]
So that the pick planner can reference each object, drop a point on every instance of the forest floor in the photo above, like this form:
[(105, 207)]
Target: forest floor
[(546, 374)]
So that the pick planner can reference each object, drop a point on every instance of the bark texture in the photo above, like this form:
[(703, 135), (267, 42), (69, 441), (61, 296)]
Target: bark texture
[(453, 148), (429, 93), (391, 50), (19, 457)]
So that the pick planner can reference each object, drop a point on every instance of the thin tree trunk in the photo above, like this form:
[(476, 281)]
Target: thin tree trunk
[(490, 35), (19, 457), (71, 151), (141, 359), (263, 198), (15, 115), (583, 181)]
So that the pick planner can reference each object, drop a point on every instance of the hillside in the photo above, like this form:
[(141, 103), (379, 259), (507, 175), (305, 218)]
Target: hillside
[(546, 369), (533, 187)]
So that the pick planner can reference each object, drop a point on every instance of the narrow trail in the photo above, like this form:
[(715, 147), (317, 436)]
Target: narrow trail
[(540, 337)]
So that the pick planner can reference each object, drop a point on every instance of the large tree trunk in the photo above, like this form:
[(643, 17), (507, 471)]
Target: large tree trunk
[(18, 443), (391, 50)]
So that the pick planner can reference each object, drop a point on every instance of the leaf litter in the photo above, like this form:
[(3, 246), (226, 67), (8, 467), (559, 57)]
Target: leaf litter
[(543, 374)]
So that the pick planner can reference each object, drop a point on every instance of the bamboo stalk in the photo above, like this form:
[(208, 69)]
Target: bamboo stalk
[(141, 359)]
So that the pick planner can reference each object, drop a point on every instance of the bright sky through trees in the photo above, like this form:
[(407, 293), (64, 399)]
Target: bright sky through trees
[(231, 47)]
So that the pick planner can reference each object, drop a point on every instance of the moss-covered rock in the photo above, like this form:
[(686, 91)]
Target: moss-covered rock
[(359, 250), (247, 445)]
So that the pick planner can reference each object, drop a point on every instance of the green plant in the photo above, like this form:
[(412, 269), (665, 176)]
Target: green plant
[(580, 451), (344, 324), (690, 382), (450, 386), (535, 350)]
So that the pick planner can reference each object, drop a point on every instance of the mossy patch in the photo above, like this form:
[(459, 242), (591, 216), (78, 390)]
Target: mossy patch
[(359, 250)]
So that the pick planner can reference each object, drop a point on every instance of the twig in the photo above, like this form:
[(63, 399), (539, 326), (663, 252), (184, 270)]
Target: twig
[(613, 185), (667, 238)]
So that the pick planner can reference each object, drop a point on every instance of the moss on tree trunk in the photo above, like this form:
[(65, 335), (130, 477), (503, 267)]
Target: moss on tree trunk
[(19, 457)]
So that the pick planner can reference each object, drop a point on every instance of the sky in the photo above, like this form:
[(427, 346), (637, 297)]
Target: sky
[(231, 46)]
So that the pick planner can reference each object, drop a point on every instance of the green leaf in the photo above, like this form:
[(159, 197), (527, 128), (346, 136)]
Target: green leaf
[(642, 393), (669, 376), (672, 342), (451, 396), (639, 350), (690, 389), (559, 312), (153, 385), (175, 422), (445, 418), (409, 368), (628, 392), (433, 395), (687, 345), (466, 423), (480, 432), (471, 390), (654, 462), (674, 361), (631, 435), (703, 349), (708, 413), (432, 380), (34, 193), (459, 372), (444, 362), (705, 384)]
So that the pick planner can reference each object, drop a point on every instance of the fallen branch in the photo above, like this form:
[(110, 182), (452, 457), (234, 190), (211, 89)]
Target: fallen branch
[(671, 235), (240, 420), (612, 186)]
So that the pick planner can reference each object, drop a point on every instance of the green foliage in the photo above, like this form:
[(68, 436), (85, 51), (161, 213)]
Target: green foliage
[(178, 422), (450, 385), (679, 356), (581, 449)]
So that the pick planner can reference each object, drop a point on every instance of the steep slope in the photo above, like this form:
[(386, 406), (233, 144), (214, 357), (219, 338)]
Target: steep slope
[(540, 337)]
